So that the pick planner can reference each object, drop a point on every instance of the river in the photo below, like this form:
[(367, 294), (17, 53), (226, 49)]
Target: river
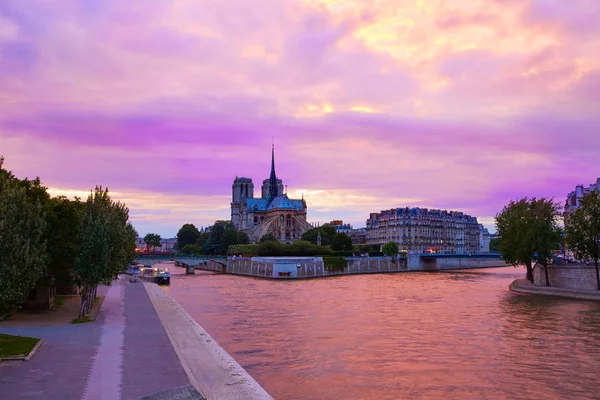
[(447, 335)]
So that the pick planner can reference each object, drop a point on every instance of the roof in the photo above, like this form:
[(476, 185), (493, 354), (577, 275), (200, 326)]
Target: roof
[(279, 203), (257, 204), (283, 202)]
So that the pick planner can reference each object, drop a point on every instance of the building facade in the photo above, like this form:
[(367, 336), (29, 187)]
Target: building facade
[(423, 230), (484, 239), (273, 213), (574, 198), (340, 226)]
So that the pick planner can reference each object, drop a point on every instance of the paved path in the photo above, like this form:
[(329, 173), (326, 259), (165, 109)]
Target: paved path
[(89, 360)]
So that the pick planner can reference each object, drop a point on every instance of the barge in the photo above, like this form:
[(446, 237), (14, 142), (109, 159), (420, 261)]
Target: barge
[(160, 276)]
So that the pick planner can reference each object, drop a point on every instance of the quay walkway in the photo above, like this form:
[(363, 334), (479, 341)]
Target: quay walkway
[(142, 345), (124, 354)]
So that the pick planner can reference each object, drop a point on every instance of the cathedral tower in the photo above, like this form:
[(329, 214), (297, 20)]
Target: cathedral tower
[(242, 188)]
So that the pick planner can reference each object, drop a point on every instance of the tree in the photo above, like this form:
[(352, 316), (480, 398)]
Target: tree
[(152, 240), (495, 245), (390, 249), (22, 245), (546, 232), (228, 238), (268, 237), (242, 238), (529, 230), (188, 234), (341, 242), (107, 245), (63, 238), (582, 230), (192, 249), (327, 234)]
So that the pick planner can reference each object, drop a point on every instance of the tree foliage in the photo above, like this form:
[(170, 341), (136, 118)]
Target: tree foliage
[(188, 234), (152, 240), (242, 238), (390, 249), (341, 242), (22, 241), (268, 237), (495, 245), (107, 244), (217, 239), (64, 235), (582, 230), (84, 243), (327, 234), (529, 230)]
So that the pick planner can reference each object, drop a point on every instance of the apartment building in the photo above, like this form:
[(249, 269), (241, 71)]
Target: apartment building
[(424, 230)]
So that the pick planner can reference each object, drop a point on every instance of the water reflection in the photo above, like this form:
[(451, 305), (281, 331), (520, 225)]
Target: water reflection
[(451, 335)]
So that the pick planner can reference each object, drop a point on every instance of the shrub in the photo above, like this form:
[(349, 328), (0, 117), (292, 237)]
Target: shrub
[(335, 264)]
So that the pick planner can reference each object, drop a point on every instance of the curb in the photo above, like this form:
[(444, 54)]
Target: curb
[(28, 356)]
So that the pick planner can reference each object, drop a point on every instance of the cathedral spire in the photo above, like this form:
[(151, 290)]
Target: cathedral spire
[(273, 178)]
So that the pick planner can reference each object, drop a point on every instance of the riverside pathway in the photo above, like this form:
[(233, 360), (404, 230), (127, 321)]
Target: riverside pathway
[(124, 354)]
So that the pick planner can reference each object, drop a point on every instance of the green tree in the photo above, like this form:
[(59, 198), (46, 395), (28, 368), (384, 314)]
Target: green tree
[(513, 224), (327, 234), (192, 249), (341, 242), (228, 238), (188, 234), (529, 231), (390, 249), (242, 238), (152, 240), (495, 245), (64, 235), (546, 232), (107, 245), (582, 230), (22, 245), (268, 237)]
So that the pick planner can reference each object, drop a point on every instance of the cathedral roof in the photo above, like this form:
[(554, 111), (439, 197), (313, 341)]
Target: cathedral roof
[(256, 204), (279, 203), (283, 202)]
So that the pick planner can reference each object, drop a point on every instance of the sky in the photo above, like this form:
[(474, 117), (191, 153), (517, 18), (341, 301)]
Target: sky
[(372, 104)]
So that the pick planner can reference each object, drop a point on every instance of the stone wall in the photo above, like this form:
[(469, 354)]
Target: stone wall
[(569, 276), (312, 269), (356, 265)]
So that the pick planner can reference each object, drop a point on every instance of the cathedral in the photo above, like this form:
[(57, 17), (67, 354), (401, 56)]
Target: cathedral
[(272, 213)]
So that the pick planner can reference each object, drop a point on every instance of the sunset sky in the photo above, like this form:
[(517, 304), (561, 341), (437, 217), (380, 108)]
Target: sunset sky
[(373, 104)]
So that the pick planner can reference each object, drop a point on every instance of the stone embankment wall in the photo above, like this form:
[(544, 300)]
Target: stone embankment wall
[(356, 265), (245, 266), (445, 263), (569, 276)]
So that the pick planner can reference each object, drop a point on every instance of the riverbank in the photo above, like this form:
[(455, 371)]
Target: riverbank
[(523, 286), (314, 267)]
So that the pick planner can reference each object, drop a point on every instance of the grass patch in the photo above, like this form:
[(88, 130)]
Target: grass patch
[(16, 346), (82, 320)]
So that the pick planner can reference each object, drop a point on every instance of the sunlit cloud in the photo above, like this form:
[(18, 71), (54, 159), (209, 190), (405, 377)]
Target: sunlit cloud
[(458, 104)]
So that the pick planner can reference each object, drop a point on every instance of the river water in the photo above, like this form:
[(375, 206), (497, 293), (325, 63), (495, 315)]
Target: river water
[(447, 335)]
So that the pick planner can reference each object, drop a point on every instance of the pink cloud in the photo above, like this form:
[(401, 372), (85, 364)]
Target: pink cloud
[(160, 99)]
